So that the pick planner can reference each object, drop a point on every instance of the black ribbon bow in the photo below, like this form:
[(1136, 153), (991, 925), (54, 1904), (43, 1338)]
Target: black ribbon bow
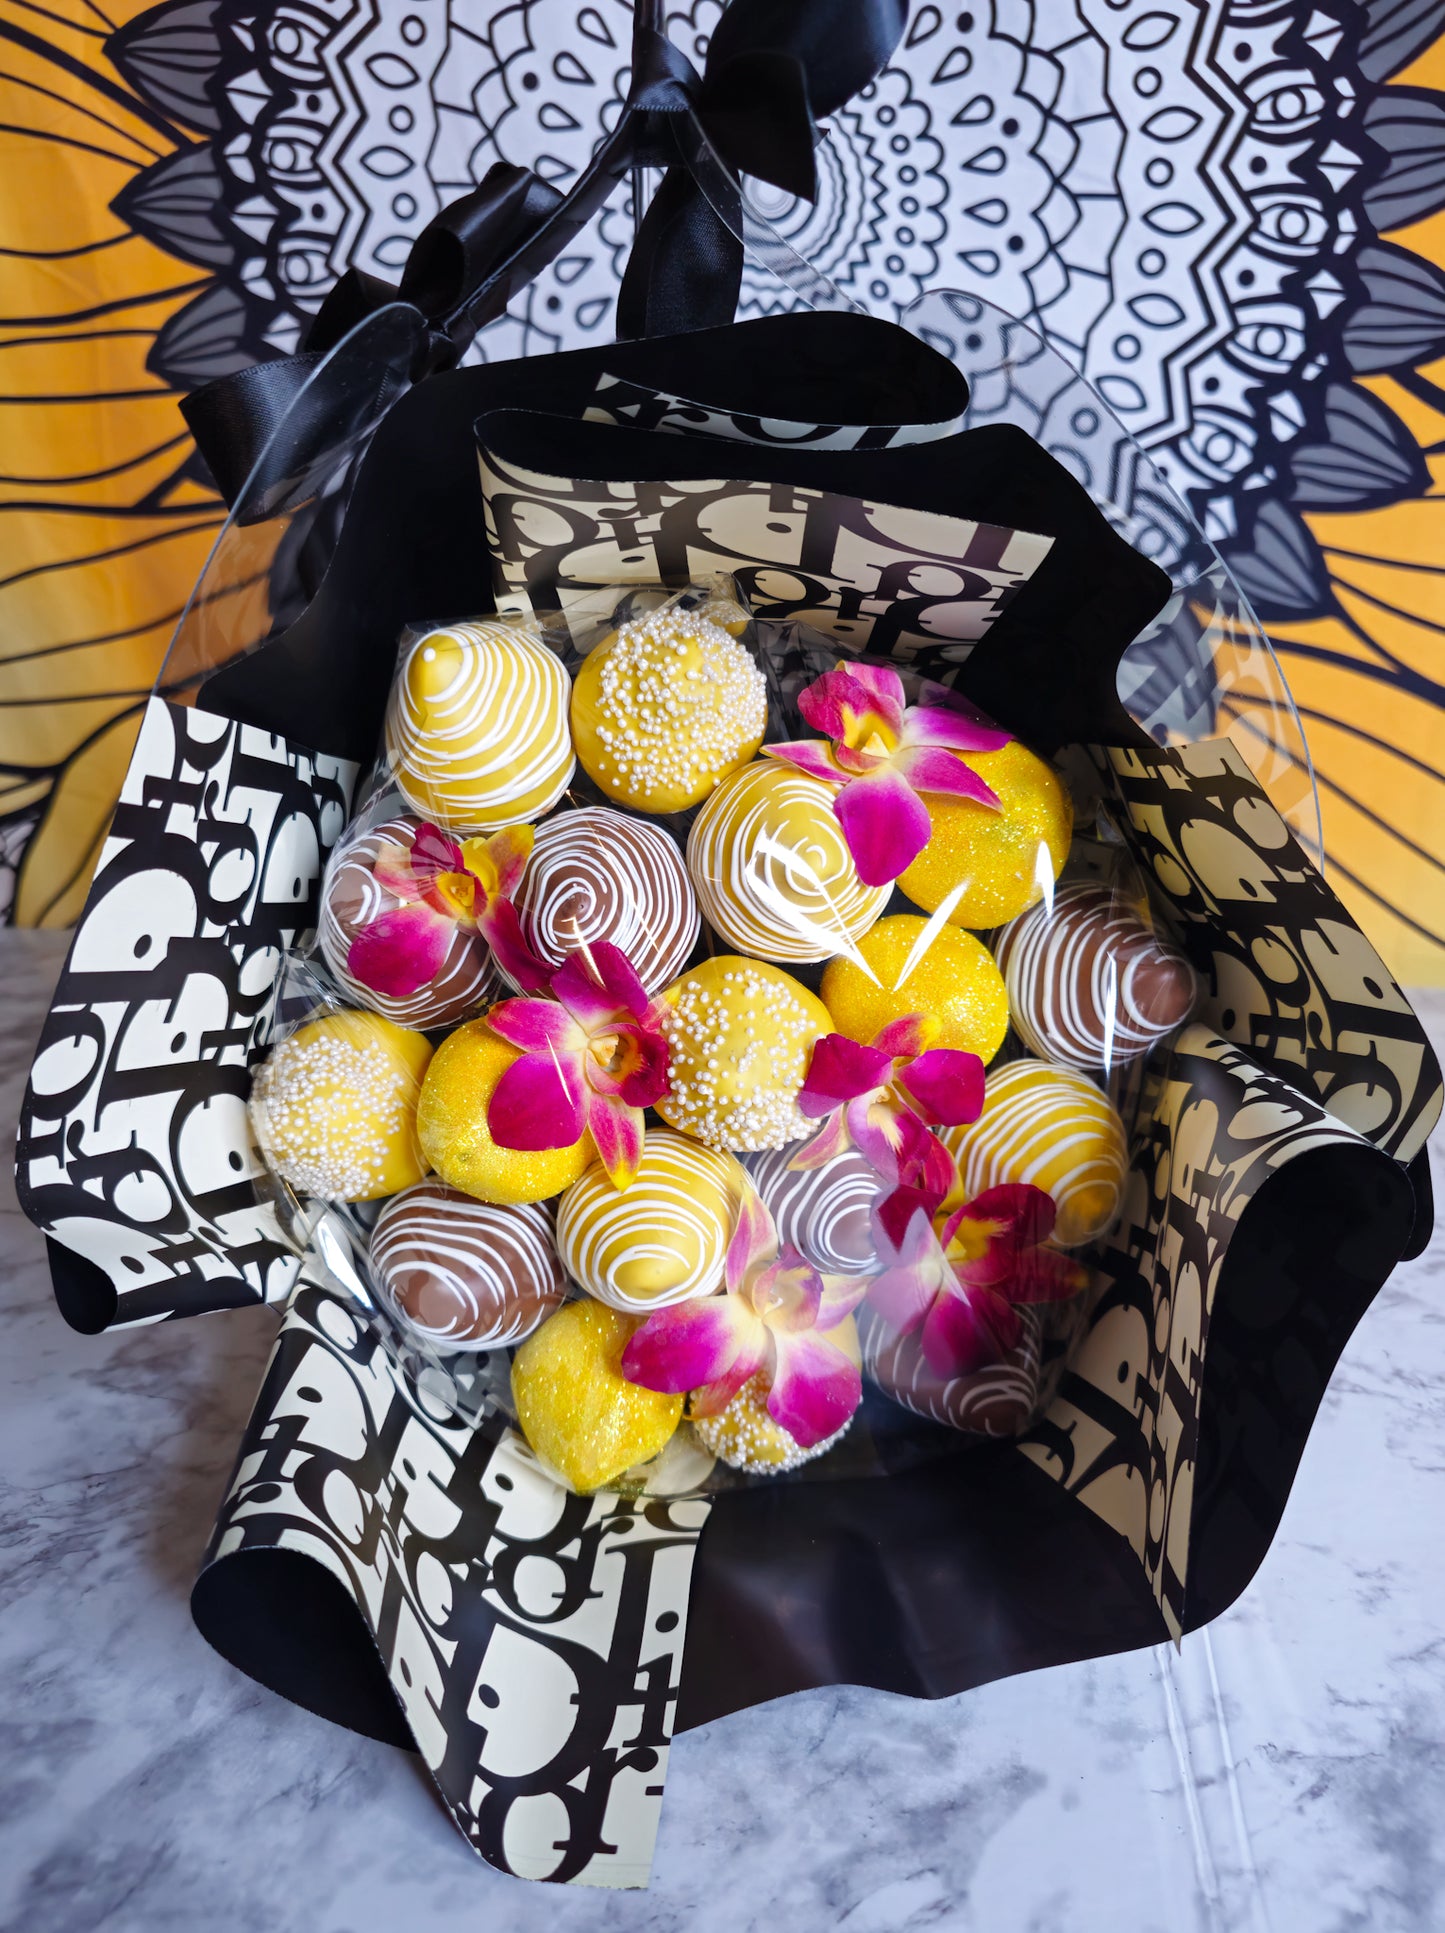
[(773, 69), (272, 434)]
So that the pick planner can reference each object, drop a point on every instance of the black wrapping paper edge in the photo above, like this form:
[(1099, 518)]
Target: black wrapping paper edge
[(419, 550), (977, 1566), (1326, 1230), (1048, 664)]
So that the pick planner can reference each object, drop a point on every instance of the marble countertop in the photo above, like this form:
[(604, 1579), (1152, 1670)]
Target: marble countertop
[(1284, 1770)]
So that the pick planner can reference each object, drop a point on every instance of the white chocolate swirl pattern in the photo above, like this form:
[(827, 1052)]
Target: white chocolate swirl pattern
[(996, 1401), (595, 874), (1053, 1128), (1089, 984), (824, 1212), (476, 727), (772, 870), (467, 1274), (660, 1240), (467, 980)]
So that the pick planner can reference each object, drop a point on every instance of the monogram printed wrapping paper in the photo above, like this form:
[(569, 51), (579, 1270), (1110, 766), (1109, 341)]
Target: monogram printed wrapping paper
[(1292, 980), (533, 1639), (134, 1149), (839, 565)]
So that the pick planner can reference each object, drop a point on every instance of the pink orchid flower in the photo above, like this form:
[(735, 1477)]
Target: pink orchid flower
[(886, 1098), (774, 1318), (593, 1057), (883, 753), (963, 1283), (444, 884)]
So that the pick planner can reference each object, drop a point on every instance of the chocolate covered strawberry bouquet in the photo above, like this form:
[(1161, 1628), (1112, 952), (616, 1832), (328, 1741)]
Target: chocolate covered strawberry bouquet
[(725, 1029)]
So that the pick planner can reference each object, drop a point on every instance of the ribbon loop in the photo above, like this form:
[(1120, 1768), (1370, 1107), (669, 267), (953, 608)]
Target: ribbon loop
[(267, 432), (772, 66), (455, 253), (756, 113)]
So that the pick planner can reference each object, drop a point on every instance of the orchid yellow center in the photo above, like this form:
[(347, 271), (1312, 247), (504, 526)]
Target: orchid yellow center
[(609, 1052), (866, 732), (970, 1241), (457, 893), (615, 1054)]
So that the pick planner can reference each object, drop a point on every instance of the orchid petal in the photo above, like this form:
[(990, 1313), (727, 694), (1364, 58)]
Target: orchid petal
[(831, 701), (893, 1140), (882, 688), (754, 1241), (617, 1134), (815, 1387), (903, 1295), (875, 1133), (947, 1085), (840, 1070), (1023, 1212), (902, 1226), (810, 755), (832, 1140), (993, 1269), (500, 861), (929, 1167), (711, 1399), (540, 1102), (391, 869), (400, 951), (536, 1026), (965, 1331), (1044, 1275), (598, 983), (619, 977), (842, 1294), (929, 769), (696, 1343), (905, 1038), (433, 852), (885, 823), (944, 725), (502, 930)]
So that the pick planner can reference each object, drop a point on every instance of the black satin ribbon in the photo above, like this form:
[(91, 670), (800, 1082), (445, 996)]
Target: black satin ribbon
[(271, 435), (281, 424), (773, 69)]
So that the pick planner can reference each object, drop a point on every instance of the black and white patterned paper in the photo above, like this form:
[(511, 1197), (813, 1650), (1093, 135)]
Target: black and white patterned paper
[(1305, 1043), (891, 581), (1288, 975), (134, 1148), (532, 1638)]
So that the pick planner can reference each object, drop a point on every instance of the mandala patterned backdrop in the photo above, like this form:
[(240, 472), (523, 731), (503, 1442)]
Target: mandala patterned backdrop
[(1227, 214)]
